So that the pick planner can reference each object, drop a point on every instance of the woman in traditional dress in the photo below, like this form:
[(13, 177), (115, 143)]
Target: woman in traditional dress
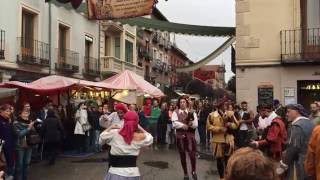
[(125, 147)]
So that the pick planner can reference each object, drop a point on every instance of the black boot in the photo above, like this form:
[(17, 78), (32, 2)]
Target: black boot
[(194, 176)]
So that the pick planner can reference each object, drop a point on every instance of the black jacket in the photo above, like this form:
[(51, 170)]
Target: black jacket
[(52, 130), (164, 117), (93, 117)]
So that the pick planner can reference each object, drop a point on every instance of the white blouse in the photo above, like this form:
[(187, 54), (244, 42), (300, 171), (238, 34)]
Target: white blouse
[(178, 125), (120, 148)]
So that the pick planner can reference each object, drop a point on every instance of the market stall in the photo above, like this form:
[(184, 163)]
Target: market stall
[(8, 95), (134, 87)]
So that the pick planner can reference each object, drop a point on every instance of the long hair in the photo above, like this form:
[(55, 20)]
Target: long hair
[(185, 98), (5, 107)]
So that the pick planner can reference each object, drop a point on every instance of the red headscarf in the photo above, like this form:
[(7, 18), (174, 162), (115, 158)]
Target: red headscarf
[(131, 120), (121, 107)]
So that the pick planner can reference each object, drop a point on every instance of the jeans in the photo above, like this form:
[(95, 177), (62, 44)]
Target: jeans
[(171, 139), (96, 136), (52, 148), (154, 133), (162, 131), (22, 163), (243, 138), (80, 143), (202, 133)]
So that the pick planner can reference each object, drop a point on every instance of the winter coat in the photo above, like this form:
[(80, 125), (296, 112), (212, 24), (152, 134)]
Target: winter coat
[(52, 130), (81, 118), (6, 134), (21, 131)]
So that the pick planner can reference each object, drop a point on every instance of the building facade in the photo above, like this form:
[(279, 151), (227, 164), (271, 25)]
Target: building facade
[(178, 58), (153, 53), (277, 51), (38, 39)]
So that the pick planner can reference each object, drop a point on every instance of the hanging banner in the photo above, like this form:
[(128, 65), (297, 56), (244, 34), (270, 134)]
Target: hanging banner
[(204, 75), (118, 9)]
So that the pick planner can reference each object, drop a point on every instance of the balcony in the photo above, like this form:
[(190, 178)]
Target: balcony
[(33, 52), (111, 27), (157, 65), (145, 53), (162, 42), (2, 43), (67, 61), (156, 38), (301, 46), (113, 64), (91, 67), (167, 45)]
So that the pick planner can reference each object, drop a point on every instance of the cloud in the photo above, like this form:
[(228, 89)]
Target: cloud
[(201, 12)]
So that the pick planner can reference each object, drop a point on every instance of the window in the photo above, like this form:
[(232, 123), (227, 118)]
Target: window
[(313, 14), (117, 47), (87, 52), (88, 46), (106, 45), (27, 31), (147, 69), (129, 52), (63, 30)]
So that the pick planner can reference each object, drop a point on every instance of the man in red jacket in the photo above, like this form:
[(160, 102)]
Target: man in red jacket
[(274, 136)]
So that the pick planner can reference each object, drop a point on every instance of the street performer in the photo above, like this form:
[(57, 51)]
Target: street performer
[(185, 122), (274, 136), (222, 138)]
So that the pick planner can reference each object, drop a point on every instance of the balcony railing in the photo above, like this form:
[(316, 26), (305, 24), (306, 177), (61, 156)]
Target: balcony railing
[(91, 66), (113, 64), (300, 46), (146, 54), (156, 37), (167, 45), (67, 60), (33, 52), (2, 43), (162, 42)]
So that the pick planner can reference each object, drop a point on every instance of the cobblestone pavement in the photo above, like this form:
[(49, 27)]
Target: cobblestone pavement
[(160, 164)]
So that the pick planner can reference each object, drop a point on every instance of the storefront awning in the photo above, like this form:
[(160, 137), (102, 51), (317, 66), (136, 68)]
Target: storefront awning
[(7, 92), (209, 58)]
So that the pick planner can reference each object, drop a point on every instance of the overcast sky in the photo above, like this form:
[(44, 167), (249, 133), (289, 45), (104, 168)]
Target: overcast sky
[(201, 12)]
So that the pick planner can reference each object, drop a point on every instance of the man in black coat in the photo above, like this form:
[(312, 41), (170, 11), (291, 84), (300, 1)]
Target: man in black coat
[(52, 132), (162, 124)]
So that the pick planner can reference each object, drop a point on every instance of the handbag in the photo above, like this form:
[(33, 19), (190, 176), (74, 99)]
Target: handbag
[(86, 127), (3, 164), (33, 139)]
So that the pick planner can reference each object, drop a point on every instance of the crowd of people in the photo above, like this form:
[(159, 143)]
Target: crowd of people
[(276, 142)]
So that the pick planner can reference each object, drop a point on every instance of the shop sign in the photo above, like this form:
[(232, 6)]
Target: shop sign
[(289, 92), (265, 94), (118, 9)]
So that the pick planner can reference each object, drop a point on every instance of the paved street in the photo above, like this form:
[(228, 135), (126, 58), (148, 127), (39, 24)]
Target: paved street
[(154, 165)]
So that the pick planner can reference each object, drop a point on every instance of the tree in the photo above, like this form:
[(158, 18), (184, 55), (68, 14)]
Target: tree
[(183, 80), (231, 86)]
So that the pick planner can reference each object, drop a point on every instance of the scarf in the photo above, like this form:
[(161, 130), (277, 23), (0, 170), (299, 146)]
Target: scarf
[(131, 120)]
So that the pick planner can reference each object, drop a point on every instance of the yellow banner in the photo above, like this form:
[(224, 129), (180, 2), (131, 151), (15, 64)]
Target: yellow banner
[(118, 9)]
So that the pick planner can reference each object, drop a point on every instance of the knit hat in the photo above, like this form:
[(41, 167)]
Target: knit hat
[(299, 108)]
